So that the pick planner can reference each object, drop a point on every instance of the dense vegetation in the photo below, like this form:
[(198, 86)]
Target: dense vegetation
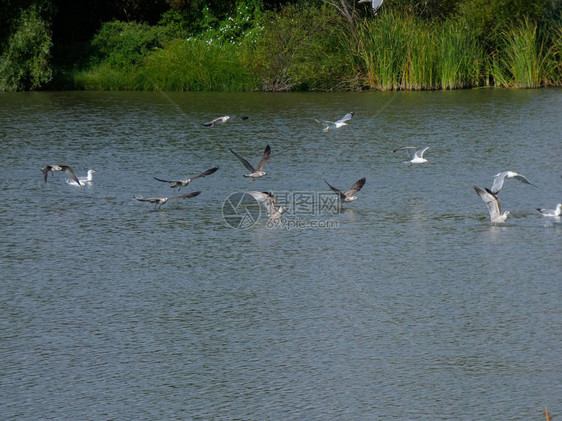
[(279, 45)]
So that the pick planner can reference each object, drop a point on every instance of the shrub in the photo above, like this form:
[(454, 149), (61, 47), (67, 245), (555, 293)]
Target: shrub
[(25, 63), (124, 44), (300, 48)]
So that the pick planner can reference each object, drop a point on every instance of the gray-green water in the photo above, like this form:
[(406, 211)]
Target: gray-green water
[(407, 305)]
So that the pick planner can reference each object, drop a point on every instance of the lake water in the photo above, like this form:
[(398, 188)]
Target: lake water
[(408, 304)]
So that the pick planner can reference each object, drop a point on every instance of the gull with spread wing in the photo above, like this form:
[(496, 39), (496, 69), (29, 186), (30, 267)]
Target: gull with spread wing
[(416, 156), (269, 200), (258, 171), (159, 201), (493, 203), (349, 195), (54, 168), (212, 123), (182, 183), (500, 177), (337, 124)]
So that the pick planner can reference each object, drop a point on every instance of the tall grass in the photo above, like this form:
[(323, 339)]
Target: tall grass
[(523, 61), (197, 65), (461, 56), (400, 52)]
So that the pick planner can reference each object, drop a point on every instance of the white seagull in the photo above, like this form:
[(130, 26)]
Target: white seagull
[(182, 183), (270, 202), (337, 124), (348, 196), (500, 177), (375, 4), (83, 180), (258, 171), (416, 156), (159, 201), (54, 168), (212, 123), (493, 203), (552, 212)]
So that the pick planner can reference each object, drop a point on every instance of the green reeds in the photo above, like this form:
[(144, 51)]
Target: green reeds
[(461, 57), (523, 61), (400, 52)]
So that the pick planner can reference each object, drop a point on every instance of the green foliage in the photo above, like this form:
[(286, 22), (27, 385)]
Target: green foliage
[(196, 65), (300, 48), (402, 52), (122, 44), (523, 61), (25, 65)]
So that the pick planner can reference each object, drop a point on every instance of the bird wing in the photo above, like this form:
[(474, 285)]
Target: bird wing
[(167, 181), (346, 117), (246, 163), (356, 187), (523, 179), (186, 196), (206, 173), (492, 202), (46, 170), (498, 182), (335, 190), (212, 122), (148, 199), (420, 153), (410, 150), (70, 173), (376, 5), (268, 199), (265, 158)]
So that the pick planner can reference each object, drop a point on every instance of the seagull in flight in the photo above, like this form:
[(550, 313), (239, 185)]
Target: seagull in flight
[(416, 156), (500, 177), (159, 201), (337, 124), (348, 196), (258, 171), (54, 168), (375, 4), (493, 203), (552, 212), (83, 180), (212, 123), (182, 183), (269, 200)]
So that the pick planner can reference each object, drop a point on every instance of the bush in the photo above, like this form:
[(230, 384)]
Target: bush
[(124, 44), (300, 48), (25, 65)]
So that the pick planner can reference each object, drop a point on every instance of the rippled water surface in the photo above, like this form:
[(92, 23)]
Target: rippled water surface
[(408, 304)]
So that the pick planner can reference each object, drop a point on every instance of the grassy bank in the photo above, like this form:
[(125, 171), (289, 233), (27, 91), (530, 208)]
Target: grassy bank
[(315, 47)]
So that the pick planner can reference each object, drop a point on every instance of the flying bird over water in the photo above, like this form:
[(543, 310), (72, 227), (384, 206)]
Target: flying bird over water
[(375, 4), (54, 168), (212, 123), (258, 171), (500, 177), (159, 201), (83, 180), (552, 212), (182, 183), (337, 124), (493, 203), (348, 196), (270, 202), (416, 156)]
